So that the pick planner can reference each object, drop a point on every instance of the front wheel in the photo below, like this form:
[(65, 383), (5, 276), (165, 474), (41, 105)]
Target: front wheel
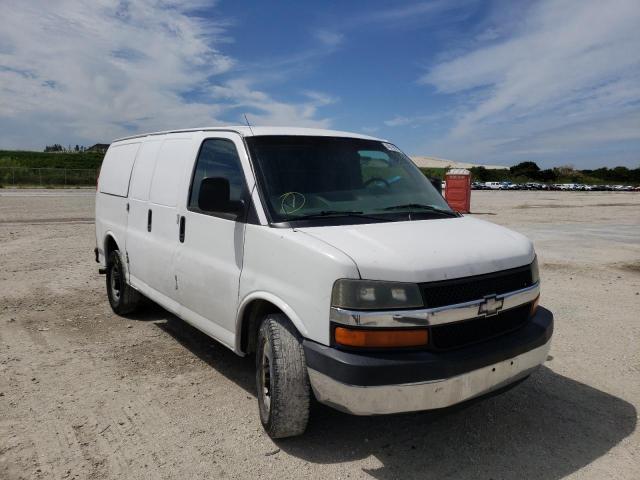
[(122, 297), (281, 378)]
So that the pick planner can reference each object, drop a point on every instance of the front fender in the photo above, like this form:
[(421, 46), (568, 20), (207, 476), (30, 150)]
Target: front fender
[(273, 299)]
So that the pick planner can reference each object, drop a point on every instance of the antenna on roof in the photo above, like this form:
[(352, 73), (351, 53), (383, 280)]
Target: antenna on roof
[(248, 124)]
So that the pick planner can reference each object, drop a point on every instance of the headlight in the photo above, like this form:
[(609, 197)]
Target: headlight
[(375, 295), (535, 274)]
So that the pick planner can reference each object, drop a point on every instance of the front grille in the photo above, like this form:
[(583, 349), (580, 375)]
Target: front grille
[(460, 334), (459, 290)]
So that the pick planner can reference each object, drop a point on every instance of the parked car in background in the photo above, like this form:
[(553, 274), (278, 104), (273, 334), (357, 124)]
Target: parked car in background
[(505, 185)]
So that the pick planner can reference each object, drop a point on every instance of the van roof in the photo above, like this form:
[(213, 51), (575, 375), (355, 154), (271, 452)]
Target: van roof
[(252, 131)]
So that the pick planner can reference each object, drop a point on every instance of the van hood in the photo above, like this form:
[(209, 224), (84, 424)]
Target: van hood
[(427, 250)]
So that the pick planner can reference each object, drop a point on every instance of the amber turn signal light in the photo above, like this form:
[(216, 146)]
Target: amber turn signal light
[(381, 338)]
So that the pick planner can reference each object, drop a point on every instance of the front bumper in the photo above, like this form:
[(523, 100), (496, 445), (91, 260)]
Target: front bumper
[(375, 383)]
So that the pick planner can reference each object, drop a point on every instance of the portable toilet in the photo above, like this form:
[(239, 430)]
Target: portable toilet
[(458, 190)]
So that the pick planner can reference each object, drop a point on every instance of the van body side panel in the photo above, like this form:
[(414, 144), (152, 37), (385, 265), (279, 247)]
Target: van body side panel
[(116, 169), (143, 169), (208, 267), (174, 157), (112, 189), (138, 235), (296, 268), (157, 249), (209, 261), (112, 214)]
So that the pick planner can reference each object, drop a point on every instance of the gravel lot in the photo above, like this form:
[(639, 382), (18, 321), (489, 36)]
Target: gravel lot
[(87, 394)]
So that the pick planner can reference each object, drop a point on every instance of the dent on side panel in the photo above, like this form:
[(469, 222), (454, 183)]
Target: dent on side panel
[(297, 269)]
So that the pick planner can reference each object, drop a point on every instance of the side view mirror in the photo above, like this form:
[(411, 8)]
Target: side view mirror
[(215, 196)]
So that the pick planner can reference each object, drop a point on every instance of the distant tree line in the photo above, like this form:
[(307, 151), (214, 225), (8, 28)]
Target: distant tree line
[(530, 172), (56, 147)]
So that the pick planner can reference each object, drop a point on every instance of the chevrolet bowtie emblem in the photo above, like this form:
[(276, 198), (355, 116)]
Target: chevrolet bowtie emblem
[(490, 306)]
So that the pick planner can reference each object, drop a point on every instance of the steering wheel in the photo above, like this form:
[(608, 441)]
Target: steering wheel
[(378, 180)]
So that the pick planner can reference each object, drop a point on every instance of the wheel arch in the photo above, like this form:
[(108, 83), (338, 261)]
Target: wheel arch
[(110, 244), (254, 307)]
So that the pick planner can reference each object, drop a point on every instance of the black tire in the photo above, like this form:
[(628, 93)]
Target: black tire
[(123, 298), (281, 378)]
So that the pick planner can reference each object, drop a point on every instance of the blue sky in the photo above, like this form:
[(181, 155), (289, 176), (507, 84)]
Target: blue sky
[(501, 82)]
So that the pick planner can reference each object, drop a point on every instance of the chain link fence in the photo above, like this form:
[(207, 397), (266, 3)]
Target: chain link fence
[(47, 177)]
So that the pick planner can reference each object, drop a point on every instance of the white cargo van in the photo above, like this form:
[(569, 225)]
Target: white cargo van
[(327, 255)]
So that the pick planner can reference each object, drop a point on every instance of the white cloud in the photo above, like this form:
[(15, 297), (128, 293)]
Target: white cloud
[(329, 38), (320, 99), (83, 71), (488, 35), (262, 109), (415, 120), (413, 12), (568, 66), (397, 121)]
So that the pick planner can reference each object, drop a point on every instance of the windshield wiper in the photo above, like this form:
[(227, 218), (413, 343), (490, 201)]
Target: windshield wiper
[(335, 213), (421, 206)]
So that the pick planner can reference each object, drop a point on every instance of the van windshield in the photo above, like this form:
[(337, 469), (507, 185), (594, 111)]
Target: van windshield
[(313, 178)]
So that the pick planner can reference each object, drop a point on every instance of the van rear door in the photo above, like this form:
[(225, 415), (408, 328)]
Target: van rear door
[(210, 253), (113, 187)]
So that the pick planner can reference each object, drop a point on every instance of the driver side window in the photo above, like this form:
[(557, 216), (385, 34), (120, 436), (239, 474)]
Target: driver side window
[(218, 159)]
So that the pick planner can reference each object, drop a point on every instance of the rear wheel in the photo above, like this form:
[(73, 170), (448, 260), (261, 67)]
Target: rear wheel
[(122, 297), (281, 378)]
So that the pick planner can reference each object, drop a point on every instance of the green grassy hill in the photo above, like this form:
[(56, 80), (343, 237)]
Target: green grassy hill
[(9, 158), (50, 169)]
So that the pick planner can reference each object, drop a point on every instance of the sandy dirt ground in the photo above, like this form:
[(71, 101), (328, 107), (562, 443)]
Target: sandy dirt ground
[(87, 394)]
